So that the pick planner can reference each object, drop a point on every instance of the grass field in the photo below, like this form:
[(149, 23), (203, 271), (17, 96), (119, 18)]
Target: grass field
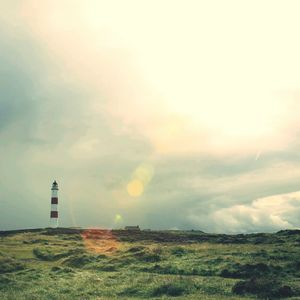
[(102, 264)]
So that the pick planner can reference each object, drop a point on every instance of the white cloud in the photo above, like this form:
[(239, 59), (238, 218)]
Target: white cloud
[(264, 214)]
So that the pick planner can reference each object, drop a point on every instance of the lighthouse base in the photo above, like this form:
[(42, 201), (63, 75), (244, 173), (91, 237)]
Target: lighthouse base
[(53, 222)]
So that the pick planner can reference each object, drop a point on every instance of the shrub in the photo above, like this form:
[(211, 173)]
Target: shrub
[(43, 255), (157, 250), (262, 287), (261, 253), (169, 289), (147, 257), (61, 270), (136, 249), (178, 251), (288, 232), (108, 268), (72, 238), (174, 270), (8, 265), (47, 255), (246, 271), (168, 269), (58, 231), (78, 261), (130, 291), (37, 241), (4, 280), (150, 258), (285, 291)]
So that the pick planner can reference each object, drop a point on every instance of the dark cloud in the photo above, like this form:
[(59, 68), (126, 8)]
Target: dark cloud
[(45, 124), (17, 102)]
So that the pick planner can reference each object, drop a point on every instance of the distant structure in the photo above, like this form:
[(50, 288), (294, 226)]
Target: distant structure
[(54, 205), (132, 228)]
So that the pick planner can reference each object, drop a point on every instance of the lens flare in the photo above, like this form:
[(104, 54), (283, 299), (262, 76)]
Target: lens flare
[(100, 241), (118, 219), (135, 188), (141, 177), (144, 173)]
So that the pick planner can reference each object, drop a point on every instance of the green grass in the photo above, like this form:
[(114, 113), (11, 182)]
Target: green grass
[(75, 264)]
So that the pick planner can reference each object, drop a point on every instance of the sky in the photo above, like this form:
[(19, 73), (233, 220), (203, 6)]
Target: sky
[(169, 114)]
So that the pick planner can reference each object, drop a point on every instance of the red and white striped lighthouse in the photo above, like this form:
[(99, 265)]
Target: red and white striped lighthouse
[(54, 205)]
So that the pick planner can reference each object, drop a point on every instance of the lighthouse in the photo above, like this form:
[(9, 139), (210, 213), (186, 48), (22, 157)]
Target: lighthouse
[(54, 205)]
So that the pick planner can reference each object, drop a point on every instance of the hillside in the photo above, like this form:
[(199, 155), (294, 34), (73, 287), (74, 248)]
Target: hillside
[(101, 264)]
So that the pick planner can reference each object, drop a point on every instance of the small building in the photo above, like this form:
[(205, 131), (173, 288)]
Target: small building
[(132, 228)]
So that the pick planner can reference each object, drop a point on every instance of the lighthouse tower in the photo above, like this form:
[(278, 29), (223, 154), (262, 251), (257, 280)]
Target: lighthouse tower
[(54, 205)]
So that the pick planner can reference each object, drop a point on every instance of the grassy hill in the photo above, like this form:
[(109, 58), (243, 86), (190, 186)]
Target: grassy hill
[(102, 264)]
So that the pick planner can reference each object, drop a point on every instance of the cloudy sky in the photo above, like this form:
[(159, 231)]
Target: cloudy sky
[(163, 113)]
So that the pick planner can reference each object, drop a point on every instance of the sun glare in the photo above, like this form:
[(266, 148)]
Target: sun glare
[(220, 77)]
